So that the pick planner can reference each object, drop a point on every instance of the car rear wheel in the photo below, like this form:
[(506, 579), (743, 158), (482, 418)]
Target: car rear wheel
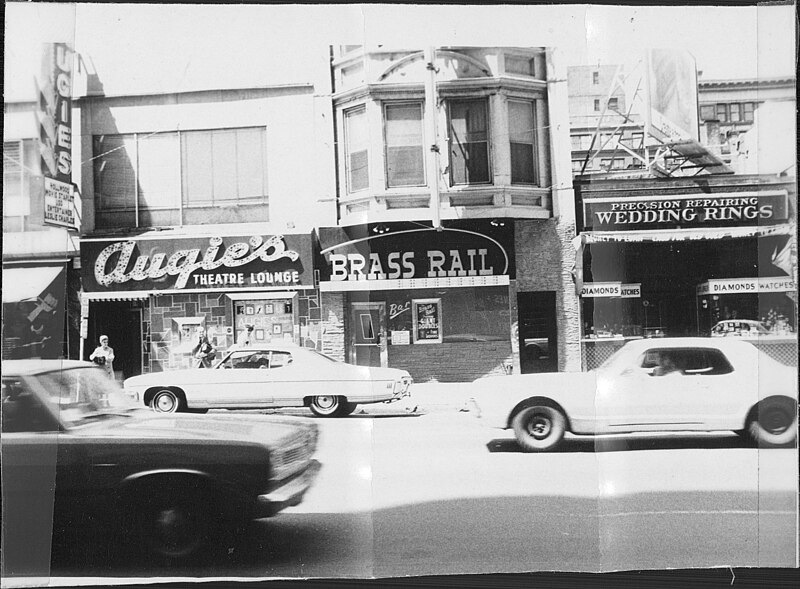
[(539, 428), (773, 422), (166, 401), (326, 405)]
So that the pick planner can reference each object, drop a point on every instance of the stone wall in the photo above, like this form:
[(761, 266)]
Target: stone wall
[(333, 324)]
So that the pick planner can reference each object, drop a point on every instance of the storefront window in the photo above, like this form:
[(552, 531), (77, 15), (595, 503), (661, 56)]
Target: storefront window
[(460, 315)]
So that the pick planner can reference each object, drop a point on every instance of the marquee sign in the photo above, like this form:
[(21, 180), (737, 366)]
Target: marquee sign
[(197, 263), (411, 256), (685, 210)]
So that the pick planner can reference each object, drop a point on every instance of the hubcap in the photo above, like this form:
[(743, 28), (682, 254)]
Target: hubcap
[(775, 421), (165, 403), (174, 533), (326, 402), (539, 426)]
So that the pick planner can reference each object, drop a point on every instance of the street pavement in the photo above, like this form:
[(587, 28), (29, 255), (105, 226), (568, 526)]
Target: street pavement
[(432, 492)]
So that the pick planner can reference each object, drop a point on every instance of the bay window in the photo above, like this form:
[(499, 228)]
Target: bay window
[(468, 141), (405, 156)]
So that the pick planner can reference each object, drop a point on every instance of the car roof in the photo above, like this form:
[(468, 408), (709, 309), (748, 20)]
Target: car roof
[(27, 367), (279, 347), (693, 342)]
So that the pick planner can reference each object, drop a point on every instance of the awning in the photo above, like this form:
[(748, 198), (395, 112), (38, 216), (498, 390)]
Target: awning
[(260, 296), (412, 283), (131, 295), (665, 235), (27, 284)]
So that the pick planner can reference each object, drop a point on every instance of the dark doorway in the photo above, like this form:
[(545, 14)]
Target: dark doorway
[(123, 326), (538, 336)]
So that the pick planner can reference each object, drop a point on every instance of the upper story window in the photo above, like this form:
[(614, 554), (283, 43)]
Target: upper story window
[(469, 141), (405, 157), (522, 136), (708, 111), (595, 78), (596, 105), (728, 112), (224, 166), (356, 149), (613, 103), (191, 168), (16, 200)]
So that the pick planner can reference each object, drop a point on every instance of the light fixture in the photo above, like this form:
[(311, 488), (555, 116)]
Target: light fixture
[(380, 229), (497, 223)]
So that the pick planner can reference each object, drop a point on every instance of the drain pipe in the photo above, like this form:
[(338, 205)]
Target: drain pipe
[(431, 135)]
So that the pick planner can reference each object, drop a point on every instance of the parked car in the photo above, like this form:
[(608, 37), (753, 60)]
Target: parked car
[(746, 328), (271, 375), (665, 384), (79, 459)]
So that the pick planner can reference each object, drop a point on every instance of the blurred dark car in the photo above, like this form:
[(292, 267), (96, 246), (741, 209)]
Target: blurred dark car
[(81, 460)]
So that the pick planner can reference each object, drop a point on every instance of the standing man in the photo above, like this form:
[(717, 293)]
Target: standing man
[(103, 355)]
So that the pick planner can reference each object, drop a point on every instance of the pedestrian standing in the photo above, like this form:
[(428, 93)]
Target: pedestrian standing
[(103, 356), (203, 352), (245, 337)]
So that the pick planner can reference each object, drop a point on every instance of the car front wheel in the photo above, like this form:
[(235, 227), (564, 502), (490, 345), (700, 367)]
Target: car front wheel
[(165, 401), (326, 405), (174, 526), (539, 428), (773, 422)]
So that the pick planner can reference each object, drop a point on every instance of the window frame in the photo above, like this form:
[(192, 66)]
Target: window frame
[(385, 105), (488, 131), (360, 110), (532, 104), (181, 203)]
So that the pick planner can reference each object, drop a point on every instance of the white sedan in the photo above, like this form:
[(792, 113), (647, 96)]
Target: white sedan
[(649, 385), (271, 376)]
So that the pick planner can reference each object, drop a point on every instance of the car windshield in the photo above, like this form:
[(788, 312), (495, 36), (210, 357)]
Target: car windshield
[(81, 395)]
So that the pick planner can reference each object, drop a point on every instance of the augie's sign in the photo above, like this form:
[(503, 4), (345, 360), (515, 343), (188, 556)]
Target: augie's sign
[(197, 263)]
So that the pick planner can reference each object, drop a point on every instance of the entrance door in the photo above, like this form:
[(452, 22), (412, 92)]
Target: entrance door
[(123, 326), (538, 344), (368, 334)]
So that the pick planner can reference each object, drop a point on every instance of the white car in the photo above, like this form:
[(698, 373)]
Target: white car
[(649, 385), (272, 375)]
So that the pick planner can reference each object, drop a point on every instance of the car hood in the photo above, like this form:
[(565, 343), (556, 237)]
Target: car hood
[(144, 424), (166, 377)]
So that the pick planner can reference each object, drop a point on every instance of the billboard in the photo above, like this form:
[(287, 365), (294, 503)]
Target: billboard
[(672, 109)]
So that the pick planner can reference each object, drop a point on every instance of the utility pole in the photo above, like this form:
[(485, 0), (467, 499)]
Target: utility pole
[(431, 135)]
